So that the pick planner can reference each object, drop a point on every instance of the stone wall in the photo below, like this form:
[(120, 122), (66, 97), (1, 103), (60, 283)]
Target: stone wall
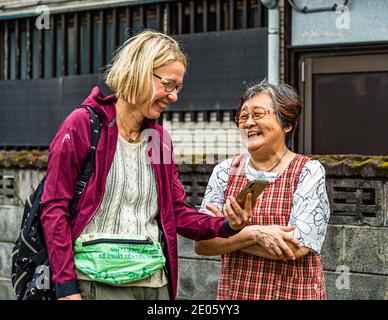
[(355, 252)]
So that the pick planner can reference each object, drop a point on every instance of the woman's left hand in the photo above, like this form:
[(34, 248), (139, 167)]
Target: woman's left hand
[(236, 216)]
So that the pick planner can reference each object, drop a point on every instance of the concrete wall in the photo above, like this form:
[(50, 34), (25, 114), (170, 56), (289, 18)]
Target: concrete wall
[(355, 257), (360, 21), (355, 261)]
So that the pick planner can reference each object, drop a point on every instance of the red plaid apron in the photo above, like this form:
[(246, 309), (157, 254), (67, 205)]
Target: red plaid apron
[(245, 276)]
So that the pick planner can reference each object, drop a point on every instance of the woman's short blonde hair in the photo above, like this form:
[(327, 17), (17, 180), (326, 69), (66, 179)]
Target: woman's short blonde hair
[(130, 73)]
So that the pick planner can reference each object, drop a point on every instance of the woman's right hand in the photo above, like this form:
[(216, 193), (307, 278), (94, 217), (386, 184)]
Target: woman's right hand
[(274, 239), (76, 296)]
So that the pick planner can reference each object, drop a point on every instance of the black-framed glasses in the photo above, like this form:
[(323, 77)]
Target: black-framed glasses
[(169, 85), (257, 113)]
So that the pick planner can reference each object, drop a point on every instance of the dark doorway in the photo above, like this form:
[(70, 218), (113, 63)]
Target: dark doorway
[(346, 105)]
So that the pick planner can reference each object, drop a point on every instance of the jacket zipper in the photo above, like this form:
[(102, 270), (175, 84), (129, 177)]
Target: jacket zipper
[(103, 191), (166, 270), (125, 241)]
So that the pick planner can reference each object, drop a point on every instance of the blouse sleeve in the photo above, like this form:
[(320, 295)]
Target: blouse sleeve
[(216, 188), (310, 210)]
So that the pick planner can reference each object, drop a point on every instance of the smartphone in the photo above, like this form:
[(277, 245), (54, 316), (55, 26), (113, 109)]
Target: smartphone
[(256, 187)]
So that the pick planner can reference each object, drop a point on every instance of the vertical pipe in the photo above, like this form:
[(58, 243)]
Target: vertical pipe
[(273, 45)]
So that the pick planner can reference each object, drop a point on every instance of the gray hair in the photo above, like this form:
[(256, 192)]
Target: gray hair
[(285, 102)]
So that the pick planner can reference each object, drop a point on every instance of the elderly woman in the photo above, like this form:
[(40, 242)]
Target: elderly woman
[(277, 255), (122, 243)]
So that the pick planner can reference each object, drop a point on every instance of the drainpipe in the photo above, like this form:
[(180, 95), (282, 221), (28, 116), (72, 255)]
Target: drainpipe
[(273, 40)]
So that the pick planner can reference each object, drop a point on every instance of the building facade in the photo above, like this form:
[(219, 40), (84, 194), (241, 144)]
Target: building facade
[(335, 52)]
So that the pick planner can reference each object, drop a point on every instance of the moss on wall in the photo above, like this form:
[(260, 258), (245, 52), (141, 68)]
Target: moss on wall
[(31, 159), (337, 165)]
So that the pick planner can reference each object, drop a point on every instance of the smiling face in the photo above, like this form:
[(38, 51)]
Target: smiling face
[(161, 99), (265, 134)]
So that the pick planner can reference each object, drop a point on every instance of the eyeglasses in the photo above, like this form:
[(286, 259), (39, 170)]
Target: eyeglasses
[(169, 85), (257, 114)]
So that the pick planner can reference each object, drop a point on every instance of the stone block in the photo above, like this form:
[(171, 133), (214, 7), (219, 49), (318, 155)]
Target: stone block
[(5, 259), (367, 249), (357, 287), (332, 249), (6, 290), (26, 182), (186, 250), (362, 249), (10, 221), (198, 279)]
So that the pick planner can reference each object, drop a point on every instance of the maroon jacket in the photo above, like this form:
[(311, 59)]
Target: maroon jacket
[(67, 155)]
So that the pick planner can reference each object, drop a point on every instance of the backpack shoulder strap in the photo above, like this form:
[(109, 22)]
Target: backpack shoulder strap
[(88, 169)]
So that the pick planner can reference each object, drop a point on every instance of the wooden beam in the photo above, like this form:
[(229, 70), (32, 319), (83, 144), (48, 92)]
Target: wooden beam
[(41, 50), (193, 10), (29, 47), (115, 29), (180, 17), (169, 29), (6, 51), (142, 15), (76, 44), (102, 44), (232, 14), (53, 62), (90, 25), (129, 22), (18, 51), (219, 15), (159, 17), (245, 13), (205, 14), (260, 11), (64, 45)]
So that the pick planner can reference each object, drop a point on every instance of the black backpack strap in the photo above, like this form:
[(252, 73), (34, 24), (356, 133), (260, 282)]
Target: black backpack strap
[(87, 171)]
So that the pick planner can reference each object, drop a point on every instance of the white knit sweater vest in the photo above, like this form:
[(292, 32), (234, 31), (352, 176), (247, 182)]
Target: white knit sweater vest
[(130, 202)]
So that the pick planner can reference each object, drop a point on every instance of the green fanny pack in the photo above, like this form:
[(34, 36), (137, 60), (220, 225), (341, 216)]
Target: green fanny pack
[(117, 260)]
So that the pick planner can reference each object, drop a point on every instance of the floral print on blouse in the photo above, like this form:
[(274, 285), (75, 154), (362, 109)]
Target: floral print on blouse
[(310, 209)]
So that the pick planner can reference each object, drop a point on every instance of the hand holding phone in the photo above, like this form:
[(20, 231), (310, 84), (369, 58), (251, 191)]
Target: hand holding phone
[(256, 187)]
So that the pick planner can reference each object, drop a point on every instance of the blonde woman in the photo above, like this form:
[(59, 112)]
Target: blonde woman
[(122, 241)]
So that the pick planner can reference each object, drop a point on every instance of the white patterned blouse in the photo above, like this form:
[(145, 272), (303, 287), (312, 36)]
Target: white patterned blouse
[(310, 210)]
